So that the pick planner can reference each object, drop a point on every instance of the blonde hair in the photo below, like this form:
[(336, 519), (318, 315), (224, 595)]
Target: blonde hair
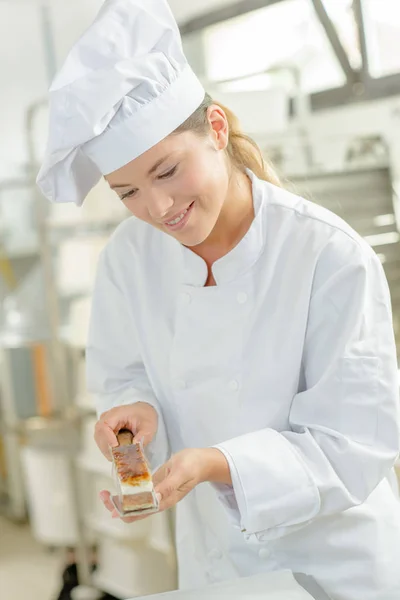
[(242, 150)]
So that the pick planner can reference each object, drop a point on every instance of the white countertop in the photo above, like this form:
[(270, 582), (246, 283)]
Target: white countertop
[(280, 585)]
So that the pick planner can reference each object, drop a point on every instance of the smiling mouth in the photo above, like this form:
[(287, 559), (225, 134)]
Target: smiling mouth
[(176, 220)]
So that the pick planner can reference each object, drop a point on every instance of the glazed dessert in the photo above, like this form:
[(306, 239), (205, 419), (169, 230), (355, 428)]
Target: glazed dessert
[(133, 475)]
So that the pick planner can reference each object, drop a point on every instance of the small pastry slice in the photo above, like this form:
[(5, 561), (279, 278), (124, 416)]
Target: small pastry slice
[(133, 474)]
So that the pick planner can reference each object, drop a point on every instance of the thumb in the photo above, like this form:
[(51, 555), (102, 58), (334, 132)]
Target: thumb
[(168, 487), (164, 492), (161, 474), (144, 435)]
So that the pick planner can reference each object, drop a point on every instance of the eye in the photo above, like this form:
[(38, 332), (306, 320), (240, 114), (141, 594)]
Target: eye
[(128, 194), (168, 173)]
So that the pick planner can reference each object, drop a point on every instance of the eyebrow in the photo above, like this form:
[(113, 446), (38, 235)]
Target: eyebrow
[(153, 168), (158, 163)]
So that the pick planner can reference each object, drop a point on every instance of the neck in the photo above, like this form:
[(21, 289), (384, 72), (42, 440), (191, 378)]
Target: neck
[(234, 221)]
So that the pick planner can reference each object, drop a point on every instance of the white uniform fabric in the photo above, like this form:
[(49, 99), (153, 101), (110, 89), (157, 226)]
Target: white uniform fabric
[(124, 87), (289, 366)]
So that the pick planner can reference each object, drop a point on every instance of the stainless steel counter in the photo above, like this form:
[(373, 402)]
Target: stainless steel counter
[(282, 585)]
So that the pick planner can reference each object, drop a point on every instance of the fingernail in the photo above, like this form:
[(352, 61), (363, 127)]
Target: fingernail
[(159, 497)]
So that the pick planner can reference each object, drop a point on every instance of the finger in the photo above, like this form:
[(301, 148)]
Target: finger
[(173, 489), (108, 503), (134, 519), (105, 496), (170, 501), (161, 474), (168, 486), (145, 436), (105, 437)]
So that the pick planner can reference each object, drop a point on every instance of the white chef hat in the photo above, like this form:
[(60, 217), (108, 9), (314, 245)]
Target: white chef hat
[(124, 87)]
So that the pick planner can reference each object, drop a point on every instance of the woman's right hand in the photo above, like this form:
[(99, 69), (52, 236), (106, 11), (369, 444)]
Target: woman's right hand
[(140, 418)]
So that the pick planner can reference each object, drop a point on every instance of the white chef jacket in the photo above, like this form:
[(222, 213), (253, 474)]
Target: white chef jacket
[(288, 366)]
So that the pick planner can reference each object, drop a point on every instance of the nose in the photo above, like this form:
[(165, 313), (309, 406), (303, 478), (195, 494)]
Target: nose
[(158, 204)]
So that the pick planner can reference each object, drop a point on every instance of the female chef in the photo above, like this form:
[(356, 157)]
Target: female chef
[(244, 332)]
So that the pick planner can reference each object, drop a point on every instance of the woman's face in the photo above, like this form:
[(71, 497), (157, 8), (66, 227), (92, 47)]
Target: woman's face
[(179, 186)]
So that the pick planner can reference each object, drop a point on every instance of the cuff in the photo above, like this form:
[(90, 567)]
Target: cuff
[(272, 485), (227, 496)]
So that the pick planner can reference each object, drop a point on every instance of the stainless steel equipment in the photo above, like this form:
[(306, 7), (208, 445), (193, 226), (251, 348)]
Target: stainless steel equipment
[(365, 198)]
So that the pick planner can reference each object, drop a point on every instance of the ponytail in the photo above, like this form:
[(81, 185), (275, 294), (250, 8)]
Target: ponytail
[(242, 150)]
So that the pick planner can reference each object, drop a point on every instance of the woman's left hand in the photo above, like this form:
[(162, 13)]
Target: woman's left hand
[(180, 475)]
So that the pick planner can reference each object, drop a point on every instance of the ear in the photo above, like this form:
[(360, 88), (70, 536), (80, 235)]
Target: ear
[(219, 126)]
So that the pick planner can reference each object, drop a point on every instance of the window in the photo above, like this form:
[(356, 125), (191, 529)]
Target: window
[(285, 45), (287, 35), (342, 16), (382, 29)]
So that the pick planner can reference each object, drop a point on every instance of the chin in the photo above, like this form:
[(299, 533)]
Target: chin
[(194, 237), (191, 241)]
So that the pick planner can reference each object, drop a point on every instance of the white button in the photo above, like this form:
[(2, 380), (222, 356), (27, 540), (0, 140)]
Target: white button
[(242, 297), (264, 553), (186, 297), (215, 554), (233, 385), (180, 384)]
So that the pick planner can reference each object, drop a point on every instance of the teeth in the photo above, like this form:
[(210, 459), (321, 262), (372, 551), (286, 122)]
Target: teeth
[(176, 221)]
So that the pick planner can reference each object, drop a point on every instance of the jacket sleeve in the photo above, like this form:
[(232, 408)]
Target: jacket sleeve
[(344, 435), (115, 373)]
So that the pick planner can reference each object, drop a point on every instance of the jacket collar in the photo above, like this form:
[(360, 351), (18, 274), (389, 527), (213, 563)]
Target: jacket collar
[(238, 260)]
